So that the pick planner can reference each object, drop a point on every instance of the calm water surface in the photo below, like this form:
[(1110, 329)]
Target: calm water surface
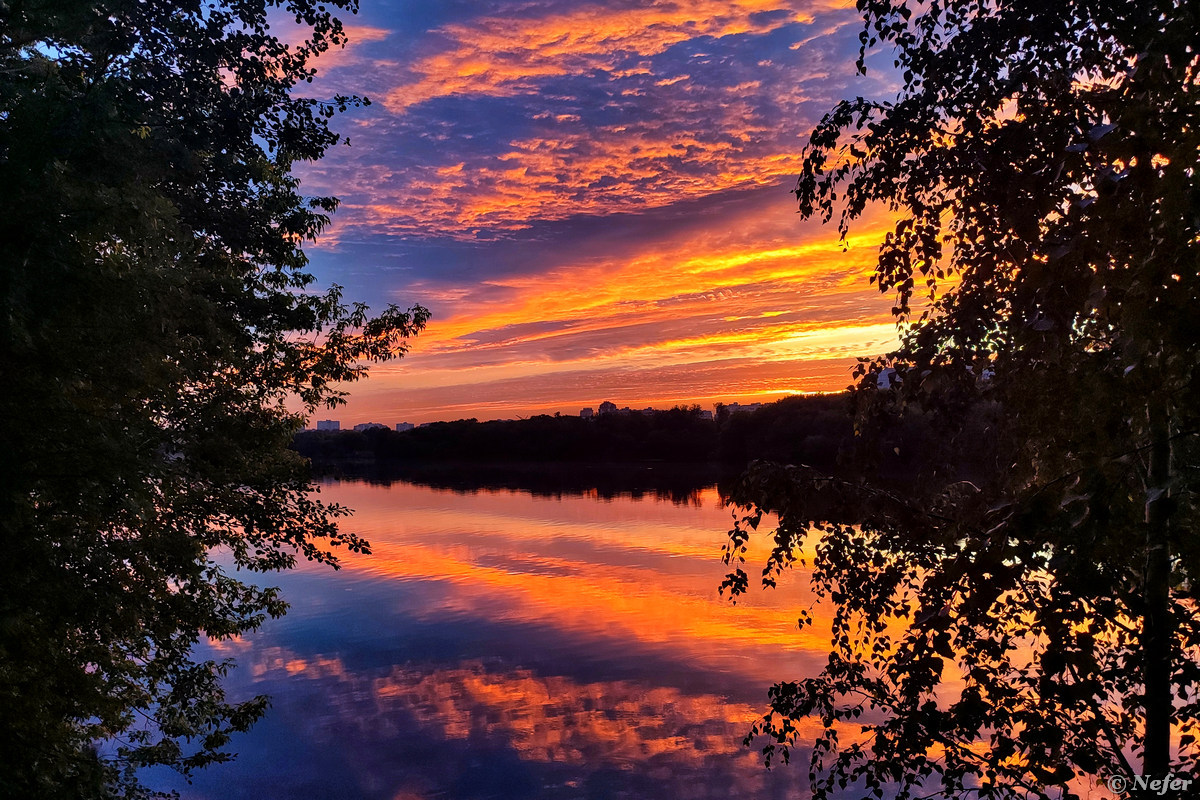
[(504, 645)]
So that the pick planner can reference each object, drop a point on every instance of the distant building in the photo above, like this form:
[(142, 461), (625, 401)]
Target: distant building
[(587, 413), (404, 426), (738, 408), (370, 426), (329, 425), (708, 415), (608, 407)]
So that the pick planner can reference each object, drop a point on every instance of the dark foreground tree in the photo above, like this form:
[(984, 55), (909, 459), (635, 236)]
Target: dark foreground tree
[(154, 319), (1038, 632)]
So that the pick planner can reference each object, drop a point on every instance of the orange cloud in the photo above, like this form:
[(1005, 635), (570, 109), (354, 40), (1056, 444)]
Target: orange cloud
[(507, 55), (707, 276), (580, 171), (641, 143), (637, 139), (775, 311), (748, 305)]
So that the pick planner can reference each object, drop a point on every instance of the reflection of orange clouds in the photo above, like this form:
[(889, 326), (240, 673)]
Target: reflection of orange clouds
[(660, 592), (660, 726), (628, 572), (624, 602), (274, 659), (553, 718)]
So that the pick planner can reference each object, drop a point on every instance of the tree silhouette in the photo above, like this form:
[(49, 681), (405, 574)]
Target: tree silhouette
[(1023, 635), (155, 319)]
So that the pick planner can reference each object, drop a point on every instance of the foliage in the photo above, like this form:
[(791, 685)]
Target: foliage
[(1022, 635), (813, 430), (155, 319)]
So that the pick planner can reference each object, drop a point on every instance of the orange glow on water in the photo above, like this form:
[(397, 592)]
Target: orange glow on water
[(619, 658), (554, 718), (646, 574)]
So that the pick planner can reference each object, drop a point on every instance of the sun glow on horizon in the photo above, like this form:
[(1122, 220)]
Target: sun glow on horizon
[(593, 202)]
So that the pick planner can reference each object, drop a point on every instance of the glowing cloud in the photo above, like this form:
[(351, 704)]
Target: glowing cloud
[(504, 55), (591, 199)]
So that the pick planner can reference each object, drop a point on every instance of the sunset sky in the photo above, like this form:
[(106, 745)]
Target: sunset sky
[(592, 199)]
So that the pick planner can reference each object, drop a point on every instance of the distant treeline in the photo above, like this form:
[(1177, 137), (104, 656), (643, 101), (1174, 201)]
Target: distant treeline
[(816, 430)]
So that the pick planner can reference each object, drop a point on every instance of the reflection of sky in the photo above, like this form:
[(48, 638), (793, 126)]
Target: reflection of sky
[(592, 199), (503, 645)]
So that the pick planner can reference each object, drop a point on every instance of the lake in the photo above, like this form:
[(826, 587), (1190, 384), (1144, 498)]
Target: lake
[(511, 643)]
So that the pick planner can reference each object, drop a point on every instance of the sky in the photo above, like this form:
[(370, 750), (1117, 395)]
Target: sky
[(592, 198)]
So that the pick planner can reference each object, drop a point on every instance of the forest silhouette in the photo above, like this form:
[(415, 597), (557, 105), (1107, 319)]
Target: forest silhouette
[(817, 431)]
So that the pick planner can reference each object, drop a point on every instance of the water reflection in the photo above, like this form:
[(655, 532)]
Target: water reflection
[(505, 644), (676, 483)]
